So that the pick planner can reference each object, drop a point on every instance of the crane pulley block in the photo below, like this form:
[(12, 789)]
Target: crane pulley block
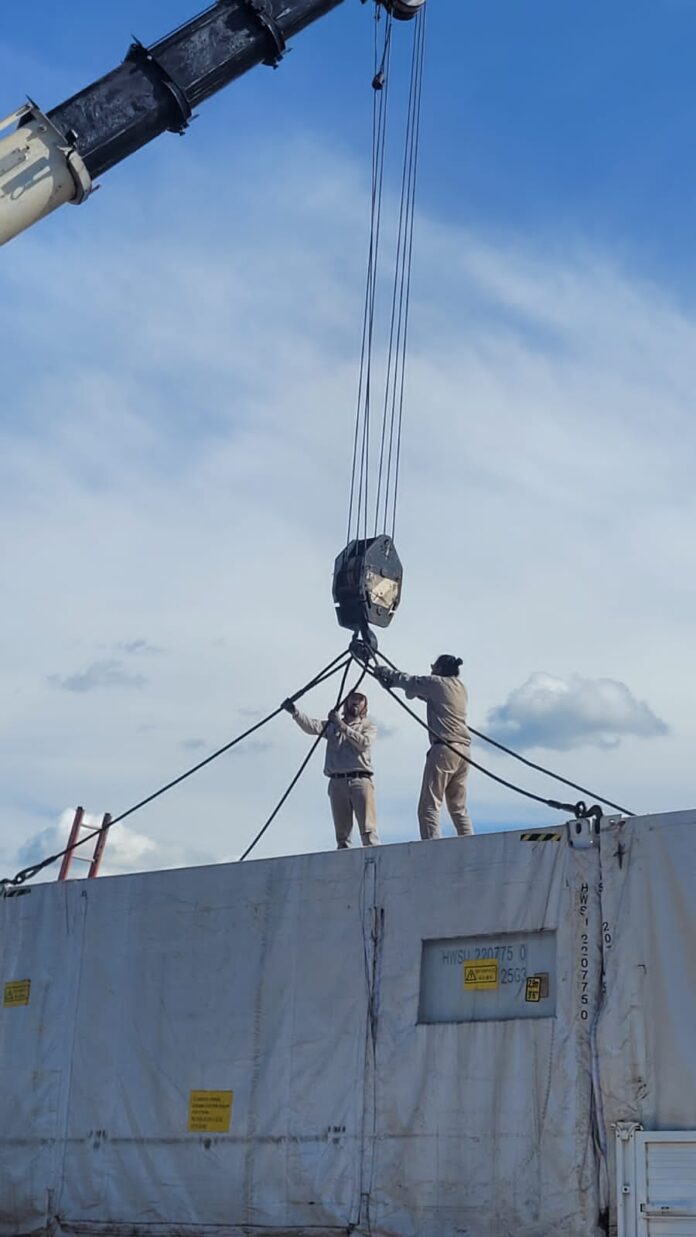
[(403, 10), (367, 583)]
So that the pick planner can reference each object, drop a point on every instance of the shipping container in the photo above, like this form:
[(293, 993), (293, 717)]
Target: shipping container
[(492, 1036)]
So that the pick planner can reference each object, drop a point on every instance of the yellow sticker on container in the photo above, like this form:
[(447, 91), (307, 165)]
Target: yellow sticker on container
[(481, 976), (210, 1112), (17, 992)]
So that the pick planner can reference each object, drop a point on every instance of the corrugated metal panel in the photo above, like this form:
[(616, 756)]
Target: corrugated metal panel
[(656, 1182), (671, 1169), (667, 1182), (671, 1226)]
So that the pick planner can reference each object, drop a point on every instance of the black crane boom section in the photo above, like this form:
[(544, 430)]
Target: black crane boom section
[(155, 89)]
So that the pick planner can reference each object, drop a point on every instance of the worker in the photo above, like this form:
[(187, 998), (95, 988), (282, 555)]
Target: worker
[(349, 735), (446, 766)]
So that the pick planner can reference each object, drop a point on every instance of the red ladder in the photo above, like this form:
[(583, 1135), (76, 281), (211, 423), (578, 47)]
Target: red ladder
[(94, 860)]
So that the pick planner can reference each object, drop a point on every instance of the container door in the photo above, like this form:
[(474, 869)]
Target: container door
[(657, 1183)]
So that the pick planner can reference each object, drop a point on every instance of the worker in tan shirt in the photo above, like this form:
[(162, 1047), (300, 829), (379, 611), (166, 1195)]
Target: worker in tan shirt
[(349, 735), (446, 772)]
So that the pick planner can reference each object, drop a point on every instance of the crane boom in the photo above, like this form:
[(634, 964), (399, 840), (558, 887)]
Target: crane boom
[(49, 159)]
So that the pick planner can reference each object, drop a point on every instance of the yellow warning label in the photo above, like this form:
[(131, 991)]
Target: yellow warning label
[(210, 1111), (481, 976), (17, 992)]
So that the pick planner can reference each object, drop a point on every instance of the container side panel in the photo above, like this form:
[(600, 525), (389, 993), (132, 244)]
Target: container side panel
[(645, 1035), (41, 943), (219, 1050), (486, 1126)]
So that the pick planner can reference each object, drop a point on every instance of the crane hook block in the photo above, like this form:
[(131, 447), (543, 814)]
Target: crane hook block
[(367, 583), (403, 10)]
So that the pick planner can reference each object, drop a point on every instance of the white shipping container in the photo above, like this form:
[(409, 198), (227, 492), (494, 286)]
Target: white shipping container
[(489, 1036)]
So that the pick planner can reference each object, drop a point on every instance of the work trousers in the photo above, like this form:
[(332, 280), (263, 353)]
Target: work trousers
[(353, 797), (444, 777)]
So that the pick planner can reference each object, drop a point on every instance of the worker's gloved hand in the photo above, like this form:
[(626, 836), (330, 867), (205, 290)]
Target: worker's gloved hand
[(384, 676), (334, 716), (289, 707)]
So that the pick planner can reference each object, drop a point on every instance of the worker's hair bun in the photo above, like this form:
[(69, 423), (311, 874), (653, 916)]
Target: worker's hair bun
[(448, 665)]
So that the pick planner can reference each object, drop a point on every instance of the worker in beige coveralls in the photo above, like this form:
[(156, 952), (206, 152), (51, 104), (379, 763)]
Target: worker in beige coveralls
[(445, 774), (349, 735)]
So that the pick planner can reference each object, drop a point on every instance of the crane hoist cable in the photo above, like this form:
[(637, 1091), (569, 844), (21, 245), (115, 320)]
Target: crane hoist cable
[(394, 390), (361, 436), (368, 572)]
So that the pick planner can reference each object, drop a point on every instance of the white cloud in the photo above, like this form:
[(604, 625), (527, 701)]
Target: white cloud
[(139, 647), (177, 464), (126, 850), (107, 673), (565, 713)]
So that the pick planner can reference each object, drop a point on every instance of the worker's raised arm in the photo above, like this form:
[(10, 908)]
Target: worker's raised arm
[(310, 725), (415, 686)]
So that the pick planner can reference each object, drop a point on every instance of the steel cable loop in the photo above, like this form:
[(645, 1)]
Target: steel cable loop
[(578, 809), (592, 794), (33, 870), (286, 794)]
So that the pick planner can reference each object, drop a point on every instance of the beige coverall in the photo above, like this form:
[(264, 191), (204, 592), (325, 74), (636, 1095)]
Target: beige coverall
[(445, 774), (348, 766)]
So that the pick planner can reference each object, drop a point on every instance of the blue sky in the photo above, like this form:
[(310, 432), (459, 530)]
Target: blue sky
[(176, 420), (538, 116)]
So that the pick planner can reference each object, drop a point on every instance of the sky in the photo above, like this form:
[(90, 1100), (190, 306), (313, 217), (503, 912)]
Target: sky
[(181, 361)]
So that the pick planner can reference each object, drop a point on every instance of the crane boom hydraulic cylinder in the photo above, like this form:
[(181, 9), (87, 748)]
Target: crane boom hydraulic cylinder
[(53, 158)]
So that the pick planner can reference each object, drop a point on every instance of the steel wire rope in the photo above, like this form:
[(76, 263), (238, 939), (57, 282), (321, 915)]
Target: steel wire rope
[(382, 93), (531, 764), (422, 19), (286, 794), (556, 804), (401, 288), (33, 870), (360, 463), (392, 320)]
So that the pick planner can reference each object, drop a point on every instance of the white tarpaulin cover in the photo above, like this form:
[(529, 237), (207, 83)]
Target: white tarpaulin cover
[(410, 1041)]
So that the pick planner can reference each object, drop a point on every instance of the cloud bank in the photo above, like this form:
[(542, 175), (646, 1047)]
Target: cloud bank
[(561, 714)]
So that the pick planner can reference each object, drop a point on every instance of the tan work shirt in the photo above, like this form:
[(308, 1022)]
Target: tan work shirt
[(348, 745), (447, 701)]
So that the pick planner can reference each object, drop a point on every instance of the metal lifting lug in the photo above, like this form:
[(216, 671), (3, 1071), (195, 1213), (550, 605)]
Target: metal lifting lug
[(403, 10), (367, 584)]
